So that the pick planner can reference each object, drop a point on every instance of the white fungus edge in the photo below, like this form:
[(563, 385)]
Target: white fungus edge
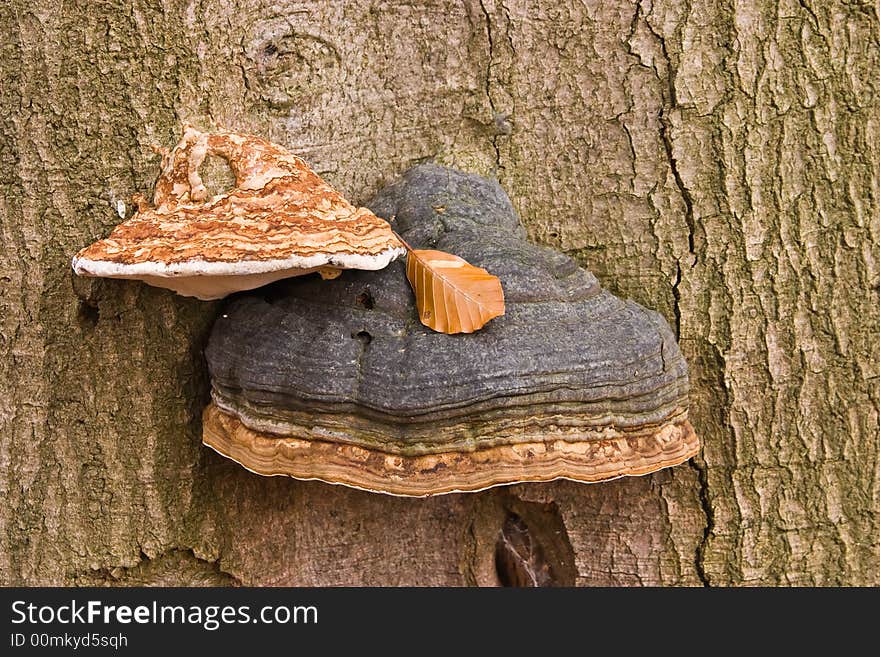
[(199, 267)]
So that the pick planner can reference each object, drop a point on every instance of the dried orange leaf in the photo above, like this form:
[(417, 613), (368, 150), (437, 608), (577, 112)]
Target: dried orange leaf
[(452, 296)]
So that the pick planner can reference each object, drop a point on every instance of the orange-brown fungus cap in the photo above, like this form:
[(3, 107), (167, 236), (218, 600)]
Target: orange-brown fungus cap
[(280, 220)]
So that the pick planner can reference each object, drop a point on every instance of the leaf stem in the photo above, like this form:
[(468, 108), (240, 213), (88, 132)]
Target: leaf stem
[(403, 241)]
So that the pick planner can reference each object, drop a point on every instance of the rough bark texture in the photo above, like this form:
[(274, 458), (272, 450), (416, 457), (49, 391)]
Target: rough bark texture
[(717, 161)]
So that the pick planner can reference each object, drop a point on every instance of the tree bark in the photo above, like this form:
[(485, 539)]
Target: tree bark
[(718, 161)]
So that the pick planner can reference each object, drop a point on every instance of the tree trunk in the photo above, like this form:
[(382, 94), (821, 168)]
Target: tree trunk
[(718, 161)]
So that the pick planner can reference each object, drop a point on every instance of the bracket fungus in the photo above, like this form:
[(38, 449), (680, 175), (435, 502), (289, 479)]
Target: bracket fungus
[(339, 381), (279, 220)]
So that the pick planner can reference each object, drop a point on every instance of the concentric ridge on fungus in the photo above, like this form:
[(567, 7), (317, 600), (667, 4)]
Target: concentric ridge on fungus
[(339, 381), (280, 220)]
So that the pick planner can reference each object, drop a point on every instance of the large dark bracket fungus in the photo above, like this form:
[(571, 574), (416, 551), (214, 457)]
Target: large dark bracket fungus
[(339, 381)]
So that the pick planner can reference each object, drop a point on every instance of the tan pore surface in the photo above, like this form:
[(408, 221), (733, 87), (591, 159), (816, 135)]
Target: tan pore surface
[(281, 219), (670, 444)]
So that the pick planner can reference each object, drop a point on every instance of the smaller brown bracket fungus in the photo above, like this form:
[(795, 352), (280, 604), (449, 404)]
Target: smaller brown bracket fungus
[(279, 220), (340, 381)]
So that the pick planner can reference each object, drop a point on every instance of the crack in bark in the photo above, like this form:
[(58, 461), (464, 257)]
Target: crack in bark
[(812, 14), (670, 104), (488, 89), (679, 183), (684, 192), (700, 552), (676, 299)]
